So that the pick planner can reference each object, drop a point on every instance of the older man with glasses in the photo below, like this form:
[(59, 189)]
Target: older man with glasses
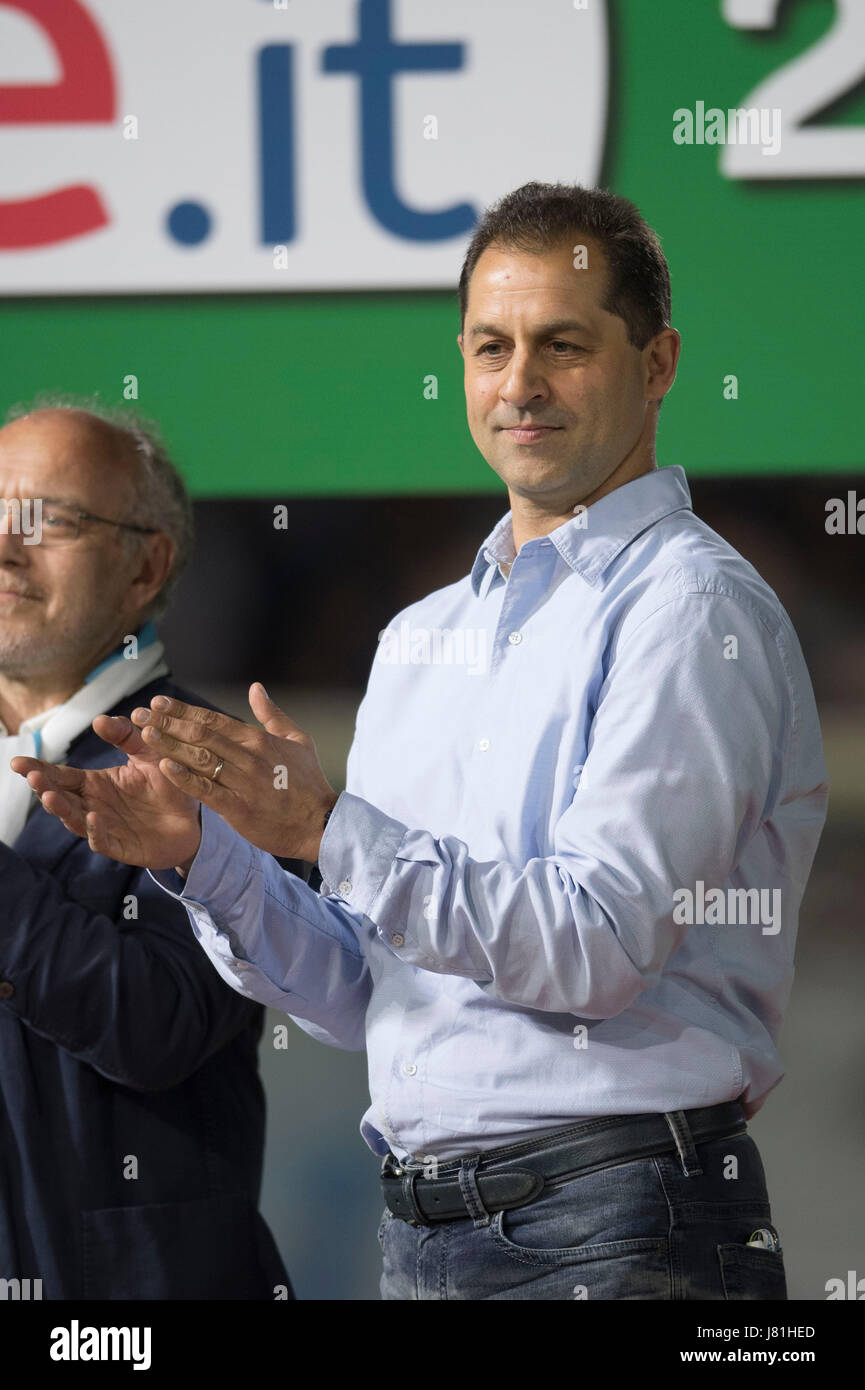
[(131, 1109)]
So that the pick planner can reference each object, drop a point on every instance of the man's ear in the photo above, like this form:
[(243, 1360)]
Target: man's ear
[(662, 358), (154, 566)]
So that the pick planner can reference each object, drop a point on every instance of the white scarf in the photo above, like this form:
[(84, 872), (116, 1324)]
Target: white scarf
[(49, 735)]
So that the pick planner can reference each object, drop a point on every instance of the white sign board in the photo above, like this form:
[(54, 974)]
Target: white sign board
[(200, 145)]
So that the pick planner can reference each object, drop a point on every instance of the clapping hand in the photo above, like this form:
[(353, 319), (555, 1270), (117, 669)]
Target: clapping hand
[(266, 783), (131, 813)]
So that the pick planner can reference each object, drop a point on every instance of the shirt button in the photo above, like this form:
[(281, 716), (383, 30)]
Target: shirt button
[(6, 990), (344, 888), (484, 745), (515, 638), (398, 939), (409, 1068)]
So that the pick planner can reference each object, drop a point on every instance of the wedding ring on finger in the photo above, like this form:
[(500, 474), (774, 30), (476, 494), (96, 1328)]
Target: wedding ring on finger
[(216, 771)]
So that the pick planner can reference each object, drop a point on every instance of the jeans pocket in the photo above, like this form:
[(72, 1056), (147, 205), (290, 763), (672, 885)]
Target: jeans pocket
[(638, 1268), (751, 1272), (613, 1211)]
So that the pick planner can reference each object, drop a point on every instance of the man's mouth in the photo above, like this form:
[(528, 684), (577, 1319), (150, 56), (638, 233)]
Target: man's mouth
[(529, 434)]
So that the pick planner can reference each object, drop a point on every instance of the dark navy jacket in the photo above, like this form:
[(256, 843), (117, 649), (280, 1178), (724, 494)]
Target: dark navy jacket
[(122, 1050)]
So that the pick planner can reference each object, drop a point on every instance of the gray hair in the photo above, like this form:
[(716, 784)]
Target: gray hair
[(161, 499)]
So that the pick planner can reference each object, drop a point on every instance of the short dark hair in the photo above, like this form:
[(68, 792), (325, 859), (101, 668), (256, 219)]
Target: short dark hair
[(539, 216)]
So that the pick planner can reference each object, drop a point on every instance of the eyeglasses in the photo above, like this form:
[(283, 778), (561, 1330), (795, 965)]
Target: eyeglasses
[(53, 524)]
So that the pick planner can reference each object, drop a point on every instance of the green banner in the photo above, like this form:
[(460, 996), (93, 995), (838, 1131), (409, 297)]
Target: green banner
[(282, 394)]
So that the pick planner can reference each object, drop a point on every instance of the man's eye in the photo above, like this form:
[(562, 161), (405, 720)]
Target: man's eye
[(58, 521), (489, 348)]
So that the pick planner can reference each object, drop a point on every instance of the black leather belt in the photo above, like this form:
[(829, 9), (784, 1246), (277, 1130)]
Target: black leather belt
[(515, 1175)]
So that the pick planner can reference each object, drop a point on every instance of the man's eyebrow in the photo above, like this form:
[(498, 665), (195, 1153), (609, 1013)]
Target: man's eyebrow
[(543, 330), (62, 502)]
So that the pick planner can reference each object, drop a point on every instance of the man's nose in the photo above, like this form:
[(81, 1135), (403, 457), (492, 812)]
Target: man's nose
[(12, 548), (524, 380)]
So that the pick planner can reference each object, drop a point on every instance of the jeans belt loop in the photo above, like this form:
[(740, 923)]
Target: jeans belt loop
[(678, 1123), (470, 1193)]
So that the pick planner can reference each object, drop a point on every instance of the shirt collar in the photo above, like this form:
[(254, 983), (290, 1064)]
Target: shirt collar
[(591, 542)]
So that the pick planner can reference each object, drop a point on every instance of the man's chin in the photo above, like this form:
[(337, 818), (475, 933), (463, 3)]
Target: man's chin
[(24, 654), (536, 476)]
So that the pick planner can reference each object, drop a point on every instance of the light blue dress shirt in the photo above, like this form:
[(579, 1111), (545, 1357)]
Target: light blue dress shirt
[(564, 788)]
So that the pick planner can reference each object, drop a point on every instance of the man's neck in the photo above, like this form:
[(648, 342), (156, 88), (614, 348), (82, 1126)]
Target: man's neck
[(21, 700), (529, 520), (23, 697)]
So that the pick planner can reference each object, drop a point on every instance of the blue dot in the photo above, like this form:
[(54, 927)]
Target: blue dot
[(189, 223)]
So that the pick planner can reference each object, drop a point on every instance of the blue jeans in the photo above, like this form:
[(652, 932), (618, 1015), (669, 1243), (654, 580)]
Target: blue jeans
[(639, 1229)]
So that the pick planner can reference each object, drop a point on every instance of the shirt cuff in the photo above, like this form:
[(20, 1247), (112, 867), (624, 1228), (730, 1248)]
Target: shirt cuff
[(357, 851), (222, 862)]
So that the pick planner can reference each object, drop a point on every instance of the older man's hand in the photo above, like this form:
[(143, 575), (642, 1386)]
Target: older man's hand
[(131, 813), (266, 783)]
